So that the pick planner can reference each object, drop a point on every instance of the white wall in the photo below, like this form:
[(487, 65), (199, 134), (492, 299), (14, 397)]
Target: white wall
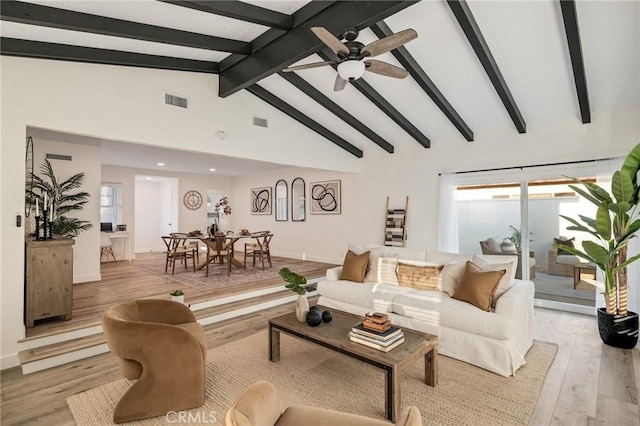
[(88, 99), (85, 159), (413, 171)]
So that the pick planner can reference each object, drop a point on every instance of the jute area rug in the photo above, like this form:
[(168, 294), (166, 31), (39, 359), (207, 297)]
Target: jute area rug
[(218, 277), (308, 374)]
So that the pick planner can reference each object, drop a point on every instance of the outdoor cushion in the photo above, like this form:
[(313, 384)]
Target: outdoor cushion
[(567, 259)]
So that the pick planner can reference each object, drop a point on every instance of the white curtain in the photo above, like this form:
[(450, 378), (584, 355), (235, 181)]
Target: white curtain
[(447, 215)]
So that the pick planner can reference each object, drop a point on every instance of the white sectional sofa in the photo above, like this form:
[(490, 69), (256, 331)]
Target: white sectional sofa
[(496, 340)]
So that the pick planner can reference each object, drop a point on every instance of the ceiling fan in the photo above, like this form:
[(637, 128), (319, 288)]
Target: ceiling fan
[(352, 54)]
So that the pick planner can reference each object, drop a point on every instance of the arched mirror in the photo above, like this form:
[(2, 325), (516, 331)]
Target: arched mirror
[(298, 212), (282, 201)]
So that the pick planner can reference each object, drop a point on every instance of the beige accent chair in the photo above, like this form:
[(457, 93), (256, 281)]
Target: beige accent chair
[(260, 406), (159, 343), (561, 265), (489, 247)]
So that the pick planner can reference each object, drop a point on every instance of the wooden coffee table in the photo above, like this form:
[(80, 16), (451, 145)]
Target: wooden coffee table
[(335, 335)]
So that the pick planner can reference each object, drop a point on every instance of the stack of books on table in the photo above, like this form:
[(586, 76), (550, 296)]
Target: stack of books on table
[(375, 331)]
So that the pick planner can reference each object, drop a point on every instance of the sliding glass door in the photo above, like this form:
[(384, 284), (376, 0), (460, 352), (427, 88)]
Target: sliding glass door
[(519, 212)]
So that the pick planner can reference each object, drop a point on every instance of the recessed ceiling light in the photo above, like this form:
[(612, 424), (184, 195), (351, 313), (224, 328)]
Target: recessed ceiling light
[(159, 164), (212, 170), (148, 178)]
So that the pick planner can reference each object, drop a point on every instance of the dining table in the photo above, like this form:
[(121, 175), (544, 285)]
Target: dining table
[(216, 244)]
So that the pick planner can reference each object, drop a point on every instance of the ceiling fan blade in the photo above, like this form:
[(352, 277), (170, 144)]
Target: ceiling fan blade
[(330, 40), (386, 44), (385, 69), (340, 84), (307, 66)]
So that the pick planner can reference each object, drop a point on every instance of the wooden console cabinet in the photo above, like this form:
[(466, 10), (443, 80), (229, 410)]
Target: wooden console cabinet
[(48, 279)]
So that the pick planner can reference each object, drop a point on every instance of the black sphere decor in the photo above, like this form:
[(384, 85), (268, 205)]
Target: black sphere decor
[(315, 308), (314, 317), (618, 331), (326, 316)]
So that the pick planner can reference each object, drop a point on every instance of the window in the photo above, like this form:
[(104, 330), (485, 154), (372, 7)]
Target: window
[(111, 204)]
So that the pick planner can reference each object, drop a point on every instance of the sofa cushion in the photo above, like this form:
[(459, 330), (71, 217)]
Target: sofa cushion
[(567, 259), (377, 297), (419, 276), (354, 267), (498, 263), (438, 309), (478, 286), (451, 275)]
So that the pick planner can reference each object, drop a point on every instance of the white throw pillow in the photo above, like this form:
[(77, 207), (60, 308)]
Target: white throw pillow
[(375, 254), (497, 263), (508, 247), (451, 276), (386, 271)]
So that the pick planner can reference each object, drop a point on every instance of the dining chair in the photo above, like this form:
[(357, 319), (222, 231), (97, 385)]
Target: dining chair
[(177, 251), (219, 248), (186, 241), (259, 248), (106, 247)]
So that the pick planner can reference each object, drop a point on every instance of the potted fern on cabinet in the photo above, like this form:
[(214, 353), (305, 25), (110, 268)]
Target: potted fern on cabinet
[(616, 223)]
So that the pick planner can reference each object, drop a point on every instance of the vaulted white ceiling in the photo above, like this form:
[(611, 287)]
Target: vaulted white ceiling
[(526, 38)]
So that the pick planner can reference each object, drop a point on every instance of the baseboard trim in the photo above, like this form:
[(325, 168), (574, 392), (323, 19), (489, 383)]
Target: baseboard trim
[(567, 307), (9, 361), (77, 279)]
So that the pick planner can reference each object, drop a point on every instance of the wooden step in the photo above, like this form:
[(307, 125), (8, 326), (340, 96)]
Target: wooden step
[(59, 353)]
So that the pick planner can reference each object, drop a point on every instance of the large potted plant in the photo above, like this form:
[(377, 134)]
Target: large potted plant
[(60, 200), (616, 222)]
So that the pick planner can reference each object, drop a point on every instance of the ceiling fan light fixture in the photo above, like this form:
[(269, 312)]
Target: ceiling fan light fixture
[(351, 69)]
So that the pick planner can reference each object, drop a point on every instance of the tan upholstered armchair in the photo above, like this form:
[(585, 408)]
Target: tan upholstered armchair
[(260, 406), (493, 249), (160, 344)]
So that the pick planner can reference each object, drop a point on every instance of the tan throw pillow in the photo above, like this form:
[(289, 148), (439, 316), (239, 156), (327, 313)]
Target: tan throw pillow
[(355, 266), (498, 263), (478, 286), (420, 277)]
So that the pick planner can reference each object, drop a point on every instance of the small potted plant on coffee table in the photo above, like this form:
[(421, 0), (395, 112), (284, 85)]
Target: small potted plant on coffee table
[(297, 284)]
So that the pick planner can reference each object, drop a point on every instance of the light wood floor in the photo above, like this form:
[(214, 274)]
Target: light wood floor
[(588, 384)]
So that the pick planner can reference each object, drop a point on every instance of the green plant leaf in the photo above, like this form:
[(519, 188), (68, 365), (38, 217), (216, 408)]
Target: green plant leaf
[(598, 192), (577, 252), (603, 222), (599, 254), (622, 186), (619, 209), (631, 166), (585, 194)]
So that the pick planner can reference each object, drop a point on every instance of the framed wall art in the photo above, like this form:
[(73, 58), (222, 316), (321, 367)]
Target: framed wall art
[(260, 200), (324, 197)]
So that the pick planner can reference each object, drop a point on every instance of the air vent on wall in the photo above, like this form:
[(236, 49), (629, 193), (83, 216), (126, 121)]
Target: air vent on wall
[(174, 100), (260, 122), (58, 157)]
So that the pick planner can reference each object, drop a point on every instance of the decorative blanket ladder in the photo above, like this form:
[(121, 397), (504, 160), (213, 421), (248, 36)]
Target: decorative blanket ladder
[(395, 229)]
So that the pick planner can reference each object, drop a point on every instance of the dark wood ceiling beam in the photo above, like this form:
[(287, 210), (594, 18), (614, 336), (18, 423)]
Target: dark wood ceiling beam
[(35, 14), (381, 30), (279, 104), (378, 100), (335, 109), (65, 52), (467, 22), (300, 16), (239, 10), (572, 31), (300, 41)]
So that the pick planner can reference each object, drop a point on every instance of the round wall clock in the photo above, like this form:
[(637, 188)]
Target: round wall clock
[(192, 200)]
